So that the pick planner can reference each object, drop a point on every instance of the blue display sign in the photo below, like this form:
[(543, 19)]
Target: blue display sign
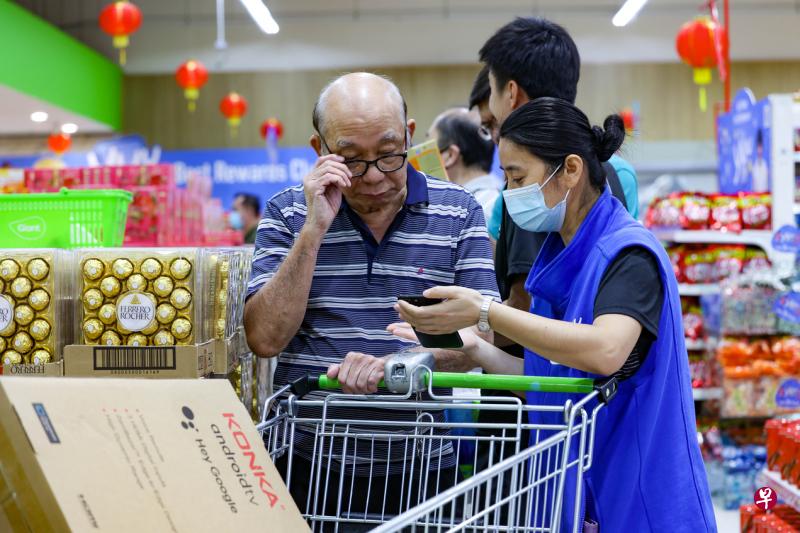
[(787, 239), (743, 145), (788, 394), (787, 307)]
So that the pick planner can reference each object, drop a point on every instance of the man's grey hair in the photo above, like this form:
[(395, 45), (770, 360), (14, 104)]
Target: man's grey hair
[(318, 115)]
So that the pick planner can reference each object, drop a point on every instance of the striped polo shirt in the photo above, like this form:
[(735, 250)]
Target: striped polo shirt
[(439, 237)]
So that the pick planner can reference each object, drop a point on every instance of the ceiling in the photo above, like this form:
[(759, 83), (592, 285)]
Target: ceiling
[(346, 34), (16, 108)]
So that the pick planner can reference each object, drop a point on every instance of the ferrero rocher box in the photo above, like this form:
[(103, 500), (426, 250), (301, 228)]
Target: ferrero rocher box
[(135, 455), (34, 317), (141, 297)]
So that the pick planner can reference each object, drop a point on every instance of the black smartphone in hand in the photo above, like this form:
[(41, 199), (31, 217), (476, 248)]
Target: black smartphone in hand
[(444, 340)]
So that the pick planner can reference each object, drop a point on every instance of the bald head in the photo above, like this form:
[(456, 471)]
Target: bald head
[(359, 95)]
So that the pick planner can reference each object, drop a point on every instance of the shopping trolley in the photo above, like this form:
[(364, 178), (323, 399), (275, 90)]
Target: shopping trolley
[(350, 467)]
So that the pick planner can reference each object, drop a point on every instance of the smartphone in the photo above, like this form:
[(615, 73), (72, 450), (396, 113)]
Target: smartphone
[(444, 340)]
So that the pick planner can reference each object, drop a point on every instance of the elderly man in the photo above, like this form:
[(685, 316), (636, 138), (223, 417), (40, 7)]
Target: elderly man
[(333, 254)]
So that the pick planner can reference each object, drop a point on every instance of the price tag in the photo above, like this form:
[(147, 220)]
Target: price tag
[(788, 394), (787, 307), (787, 239)]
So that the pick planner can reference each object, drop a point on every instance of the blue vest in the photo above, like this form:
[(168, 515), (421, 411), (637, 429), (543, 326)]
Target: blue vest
[(647, 473)]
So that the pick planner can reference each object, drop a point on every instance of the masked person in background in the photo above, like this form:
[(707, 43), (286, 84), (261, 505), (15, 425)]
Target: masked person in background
[(245, 215), (605, 303)]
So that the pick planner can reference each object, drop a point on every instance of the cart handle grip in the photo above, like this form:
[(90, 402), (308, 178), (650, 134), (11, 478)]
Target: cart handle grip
[(606, 388)]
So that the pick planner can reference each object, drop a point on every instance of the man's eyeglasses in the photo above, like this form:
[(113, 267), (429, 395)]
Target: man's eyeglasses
[(386, 163)]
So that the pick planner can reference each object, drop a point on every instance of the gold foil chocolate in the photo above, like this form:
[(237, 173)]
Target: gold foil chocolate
[(23, 343), (137, 340), (122, 268), (152, 328), (151, 268), (92, 299), (40, 329), (137, 282), (163, 286), (110, 286), (181, 328), (9, 269), (3, 344), (23, 315), (180, 298), (93, 269), (40, 357), (21, 288), (2, 285), (92, 329), (108, 314), (163, 338), (10, 328), (165, 313), (110, 338), (38, 269), (12, 358), (39, 299), (180, 268)]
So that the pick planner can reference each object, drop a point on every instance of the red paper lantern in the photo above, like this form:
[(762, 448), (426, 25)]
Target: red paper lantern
[(233, 106), (273, 125), (59, 142), (695, 45), (628, 119), (119, 20), (191, 75)]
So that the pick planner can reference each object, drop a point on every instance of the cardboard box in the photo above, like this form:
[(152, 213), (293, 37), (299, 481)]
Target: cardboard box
[(46, 370), (166, 362), (135, 455)]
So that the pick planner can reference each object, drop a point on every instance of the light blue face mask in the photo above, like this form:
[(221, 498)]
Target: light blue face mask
[(529, 211), (235, 220)]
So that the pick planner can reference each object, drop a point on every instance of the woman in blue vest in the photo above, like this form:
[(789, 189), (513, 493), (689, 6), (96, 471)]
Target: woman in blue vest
[(604, 302)]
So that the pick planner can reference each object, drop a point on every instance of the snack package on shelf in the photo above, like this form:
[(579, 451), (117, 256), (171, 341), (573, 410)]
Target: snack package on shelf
[(747, 308), (698, 264), (728, 261), (693, 323), (141, 297), (35, 321), (695, 210), (725, 214), (756, 210), (664, 213)]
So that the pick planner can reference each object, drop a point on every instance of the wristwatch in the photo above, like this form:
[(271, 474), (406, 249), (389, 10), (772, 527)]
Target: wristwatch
[(483, 320)]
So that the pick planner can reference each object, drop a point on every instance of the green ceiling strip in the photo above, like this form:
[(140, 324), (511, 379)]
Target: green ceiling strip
[(38, 59)]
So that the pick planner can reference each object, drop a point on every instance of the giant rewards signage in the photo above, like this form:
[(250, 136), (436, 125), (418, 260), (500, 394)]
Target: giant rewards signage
[(235, 170)]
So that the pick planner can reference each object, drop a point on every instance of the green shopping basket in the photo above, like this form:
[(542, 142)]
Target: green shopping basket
[(65, 219)]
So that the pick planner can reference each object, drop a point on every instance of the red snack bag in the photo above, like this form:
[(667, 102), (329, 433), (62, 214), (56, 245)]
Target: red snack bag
[(728, 261), (725, 214), (676, 254), (698, 264), (693, 323), (756, 210), (695, 210)]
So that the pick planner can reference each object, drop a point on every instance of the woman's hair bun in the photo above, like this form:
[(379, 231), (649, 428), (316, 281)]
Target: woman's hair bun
[(609, 138)]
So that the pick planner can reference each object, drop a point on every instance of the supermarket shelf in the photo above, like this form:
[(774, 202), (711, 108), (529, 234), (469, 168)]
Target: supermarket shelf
[(762, 239), (711, 393), (696, 345), (698, 289), (787, 492)]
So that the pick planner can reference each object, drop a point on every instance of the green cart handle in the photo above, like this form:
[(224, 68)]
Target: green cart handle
[(606, 388)]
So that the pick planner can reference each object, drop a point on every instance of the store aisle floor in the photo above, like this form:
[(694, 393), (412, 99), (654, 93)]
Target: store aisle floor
[(727, 521)]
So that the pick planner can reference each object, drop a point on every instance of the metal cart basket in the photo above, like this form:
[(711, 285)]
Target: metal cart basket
[(350, 467)]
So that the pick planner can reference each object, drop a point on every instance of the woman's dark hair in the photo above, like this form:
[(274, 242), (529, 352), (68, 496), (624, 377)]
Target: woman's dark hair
[(551, 129)]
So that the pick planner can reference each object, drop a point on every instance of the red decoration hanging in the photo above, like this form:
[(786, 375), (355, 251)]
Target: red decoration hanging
[(628, 119), (271, 125), (119, 20), (696, 47), (191, 75), (234, 107), (59, 142)]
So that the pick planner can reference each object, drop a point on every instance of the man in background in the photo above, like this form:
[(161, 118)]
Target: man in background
[(245, 215), (467, 152)]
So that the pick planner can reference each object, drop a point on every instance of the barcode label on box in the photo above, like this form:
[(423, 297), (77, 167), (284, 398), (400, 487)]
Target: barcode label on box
[(134, 358)]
